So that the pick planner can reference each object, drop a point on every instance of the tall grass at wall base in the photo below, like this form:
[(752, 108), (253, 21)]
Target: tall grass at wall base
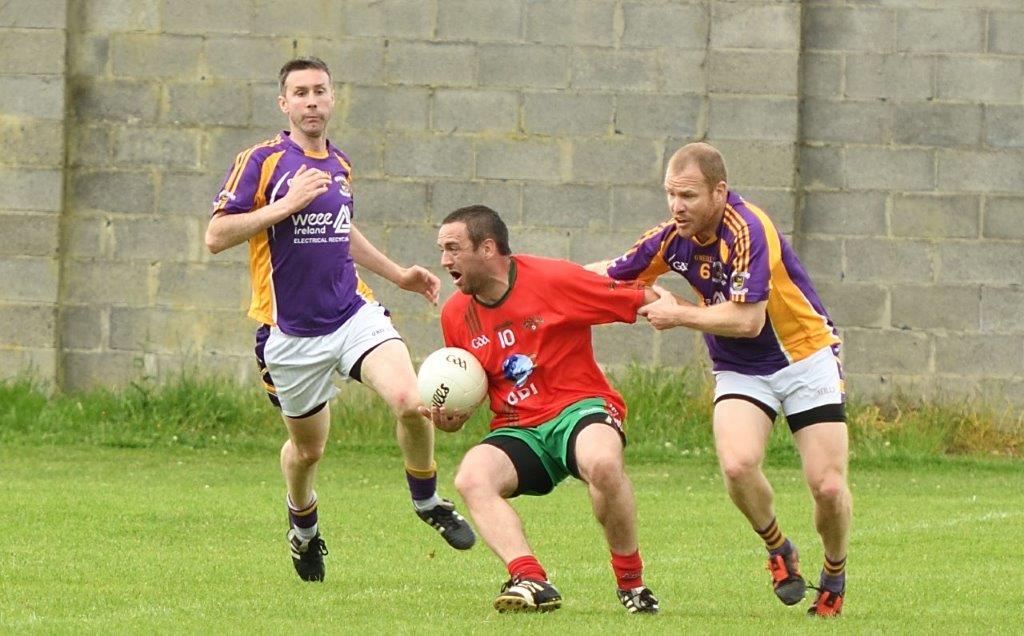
[(669, 416)]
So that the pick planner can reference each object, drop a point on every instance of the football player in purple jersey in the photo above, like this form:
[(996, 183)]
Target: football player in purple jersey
[(773, 346), (290, 197)]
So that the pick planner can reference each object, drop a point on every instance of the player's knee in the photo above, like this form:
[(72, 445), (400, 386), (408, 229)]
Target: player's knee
[(739, 467), (308, 454), (603, 472), (829, 488), (470, 484), (404, 405)]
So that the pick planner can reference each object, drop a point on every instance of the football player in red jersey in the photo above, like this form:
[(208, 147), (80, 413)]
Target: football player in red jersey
[(528, 320)]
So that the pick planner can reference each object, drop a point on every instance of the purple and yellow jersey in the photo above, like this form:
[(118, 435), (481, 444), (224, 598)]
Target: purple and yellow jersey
[(303, 277), (747, 262)]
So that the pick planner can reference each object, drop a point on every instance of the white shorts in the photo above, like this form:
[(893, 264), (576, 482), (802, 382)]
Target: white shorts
[(302, 369), (816, 381)]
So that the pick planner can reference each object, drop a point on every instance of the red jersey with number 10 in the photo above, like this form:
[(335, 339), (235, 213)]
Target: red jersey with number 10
[(535, 342)]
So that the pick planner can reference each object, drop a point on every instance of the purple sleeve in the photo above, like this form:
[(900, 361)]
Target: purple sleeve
[(238, 190), (645, 261)]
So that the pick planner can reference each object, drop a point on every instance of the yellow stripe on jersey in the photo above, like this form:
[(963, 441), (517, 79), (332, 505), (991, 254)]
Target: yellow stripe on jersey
[(261, 307), (261, 269), (266, 171), (799, 329), (741, 248), (241, 161), (657, 266), (364, 290), (741, 244), (344, 164)]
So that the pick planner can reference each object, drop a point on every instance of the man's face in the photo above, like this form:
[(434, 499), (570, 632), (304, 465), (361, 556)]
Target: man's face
[(466, 265), (307, 101), (694, 206)]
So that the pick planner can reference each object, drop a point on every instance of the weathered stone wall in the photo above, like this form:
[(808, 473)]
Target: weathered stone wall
[(884, 136), (912, 172), (32, 132)]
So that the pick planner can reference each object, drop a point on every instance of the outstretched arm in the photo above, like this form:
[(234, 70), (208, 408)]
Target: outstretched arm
[(731, 319), (413, 278)]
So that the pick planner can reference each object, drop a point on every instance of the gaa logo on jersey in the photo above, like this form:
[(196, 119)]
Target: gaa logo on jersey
[(718, 273), (738, 284), (344, 185), (516, 368)]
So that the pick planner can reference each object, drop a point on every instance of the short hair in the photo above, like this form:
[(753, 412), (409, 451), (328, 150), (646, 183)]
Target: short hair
[(482, 223), (707, 158), (301, 64)]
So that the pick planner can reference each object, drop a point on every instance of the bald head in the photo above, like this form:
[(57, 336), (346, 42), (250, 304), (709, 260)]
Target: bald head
[(707, 158)]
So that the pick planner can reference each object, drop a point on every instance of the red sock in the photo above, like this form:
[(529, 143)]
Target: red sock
[(629, 570), (527, 567)]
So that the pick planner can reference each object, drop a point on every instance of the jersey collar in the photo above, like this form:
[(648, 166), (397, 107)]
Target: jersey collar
[(511, 281), (312, 155)]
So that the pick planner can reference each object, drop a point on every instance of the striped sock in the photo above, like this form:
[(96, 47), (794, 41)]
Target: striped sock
[(774, 540), (833, 575), (422, 483), (304, 519)]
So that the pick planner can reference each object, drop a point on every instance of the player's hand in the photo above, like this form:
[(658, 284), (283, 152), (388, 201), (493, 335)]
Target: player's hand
[(419, 280), (442, 418), (598, 267), (662, 312), (306, 185)]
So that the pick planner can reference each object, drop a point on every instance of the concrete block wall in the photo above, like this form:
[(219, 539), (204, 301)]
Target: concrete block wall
[(32, 136), (884, 137), (912, 178)]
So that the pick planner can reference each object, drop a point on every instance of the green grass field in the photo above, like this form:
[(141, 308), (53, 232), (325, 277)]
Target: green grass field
[(177, 540), (160, 509)]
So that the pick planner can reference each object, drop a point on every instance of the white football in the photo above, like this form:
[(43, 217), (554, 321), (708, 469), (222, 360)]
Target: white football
[(452, 378)]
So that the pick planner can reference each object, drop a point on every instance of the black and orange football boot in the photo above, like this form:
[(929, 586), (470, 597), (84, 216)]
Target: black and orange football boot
[(789, 586)]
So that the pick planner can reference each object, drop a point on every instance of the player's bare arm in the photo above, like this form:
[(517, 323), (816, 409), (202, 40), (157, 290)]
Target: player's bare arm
[(651, 296), (413, 278), (730, 319), (444, 419), (228, 230)]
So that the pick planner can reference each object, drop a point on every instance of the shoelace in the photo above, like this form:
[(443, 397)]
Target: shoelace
[(644, 599), (444, 518), (319, 546), (822, 590), (532, 586)]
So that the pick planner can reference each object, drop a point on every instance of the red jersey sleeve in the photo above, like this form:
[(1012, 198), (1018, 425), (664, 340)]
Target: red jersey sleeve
[(593, 299)]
